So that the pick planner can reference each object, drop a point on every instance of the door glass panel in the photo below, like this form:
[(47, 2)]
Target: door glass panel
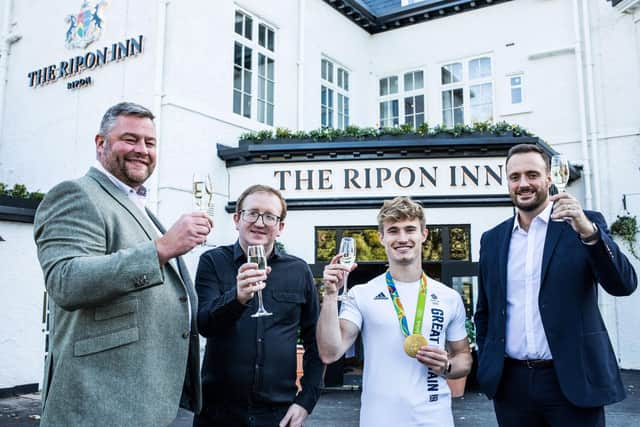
[(467, 286), (368, 246), (326, 244), (432, 247), (459, 247)]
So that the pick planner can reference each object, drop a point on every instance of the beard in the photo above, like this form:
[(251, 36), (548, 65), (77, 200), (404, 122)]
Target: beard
[(117, 164), (540, 197)]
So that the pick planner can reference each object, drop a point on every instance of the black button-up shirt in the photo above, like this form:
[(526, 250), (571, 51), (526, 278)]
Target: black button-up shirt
[(253, 360)]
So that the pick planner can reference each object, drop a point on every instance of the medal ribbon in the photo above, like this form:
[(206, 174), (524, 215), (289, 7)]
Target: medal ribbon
[(395, 298)]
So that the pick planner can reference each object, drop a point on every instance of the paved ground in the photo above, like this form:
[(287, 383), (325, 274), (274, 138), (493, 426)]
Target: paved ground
[(340, 408)]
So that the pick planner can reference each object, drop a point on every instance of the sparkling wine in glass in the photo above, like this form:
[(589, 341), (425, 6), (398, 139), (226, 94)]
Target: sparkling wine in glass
[(255, 254), (348, 252), (202, 191), (559, 174), (559, 171)]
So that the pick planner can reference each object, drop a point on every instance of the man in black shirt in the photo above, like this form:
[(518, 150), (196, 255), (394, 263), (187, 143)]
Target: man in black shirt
[(249, 370)]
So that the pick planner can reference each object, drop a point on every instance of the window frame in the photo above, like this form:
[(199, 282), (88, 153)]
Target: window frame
[(386, 101), (511, 87), (414, 93), (263, 86), (466, 84), (335, 98)]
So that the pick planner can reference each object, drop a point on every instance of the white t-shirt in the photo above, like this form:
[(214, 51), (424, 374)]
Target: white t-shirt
[(398, 390)]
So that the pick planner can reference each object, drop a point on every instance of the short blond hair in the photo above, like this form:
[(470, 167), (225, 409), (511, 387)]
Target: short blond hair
[(400, 209)]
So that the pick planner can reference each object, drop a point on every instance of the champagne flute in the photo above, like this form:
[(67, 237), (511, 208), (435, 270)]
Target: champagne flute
[(348, 252), (559, 174), (203, 196), (255, 254)]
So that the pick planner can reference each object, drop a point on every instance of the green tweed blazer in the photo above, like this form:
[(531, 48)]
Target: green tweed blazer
[(123, 347)]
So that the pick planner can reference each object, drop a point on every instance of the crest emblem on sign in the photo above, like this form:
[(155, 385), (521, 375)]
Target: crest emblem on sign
[(85, 26)]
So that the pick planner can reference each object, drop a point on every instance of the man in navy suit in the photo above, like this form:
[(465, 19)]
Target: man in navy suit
[(544, 354)]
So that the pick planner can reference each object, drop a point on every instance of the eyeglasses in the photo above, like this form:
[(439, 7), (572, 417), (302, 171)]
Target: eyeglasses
[(267, 218)]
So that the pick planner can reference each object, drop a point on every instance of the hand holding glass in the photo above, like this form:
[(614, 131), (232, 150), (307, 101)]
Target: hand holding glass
[(255, 254), (348, 252), (559, 174)]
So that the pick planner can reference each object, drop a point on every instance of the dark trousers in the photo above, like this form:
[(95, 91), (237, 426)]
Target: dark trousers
[(231, 415), (531, 397)]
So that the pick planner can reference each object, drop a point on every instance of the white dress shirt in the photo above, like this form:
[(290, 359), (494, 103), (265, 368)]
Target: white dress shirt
[(525, 336), (139, 198)]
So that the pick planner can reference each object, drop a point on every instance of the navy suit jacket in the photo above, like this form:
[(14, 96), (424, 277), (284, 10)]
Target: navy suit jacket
[(584, 361)]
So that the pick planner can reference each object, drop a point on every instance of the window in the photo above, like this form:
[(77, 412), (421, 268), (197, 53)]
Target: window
[(443, 243), (414, 110), (446, 255), (452, 107), (247, 53), (389, 113), (343, 79), (265, 89), (389, 108), (413, 81), (406, 102), (515, 86), (334, 88), (327, 70), (343, 111), (242, 80), (481, 102), (467, 91), (326, 96), (244, 25), (414, 103), (480, 94), (343, 100), (266, 37), (389, 86)]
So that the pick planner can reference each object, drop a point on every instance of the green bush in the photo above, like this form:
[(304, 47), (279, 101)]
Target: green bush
[(423, 129), (330, 134), (19, 191), (283, 133), (626, 227)]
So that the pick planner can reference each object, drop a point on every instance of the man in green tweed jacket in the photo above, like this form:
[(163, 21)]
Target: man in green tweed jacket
[(123, 347)]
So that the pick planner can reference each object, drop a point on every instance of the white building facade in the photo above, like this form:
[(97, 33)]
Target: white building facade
[(568, 71)]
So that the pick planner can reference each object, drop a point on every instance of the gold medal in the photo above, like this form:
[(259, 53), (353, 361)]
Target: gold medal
[(412, 344)]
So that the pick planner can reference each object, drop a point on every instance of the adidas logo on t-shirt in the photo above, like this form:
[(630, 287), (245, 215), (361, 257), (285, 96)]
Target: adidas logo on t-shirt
[(381, 295)]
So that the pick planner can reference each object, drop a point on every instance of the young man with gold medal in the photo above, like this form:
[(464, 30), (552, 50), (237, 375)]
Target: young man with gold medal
[(404, 378)]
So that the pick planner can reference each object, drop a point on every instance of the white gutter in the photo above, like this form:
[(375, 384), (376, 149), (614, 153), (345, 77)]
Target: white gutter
[(300, 66), (158, 95), (606, 302), (581, 107), (591, 94), (8, 38)]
